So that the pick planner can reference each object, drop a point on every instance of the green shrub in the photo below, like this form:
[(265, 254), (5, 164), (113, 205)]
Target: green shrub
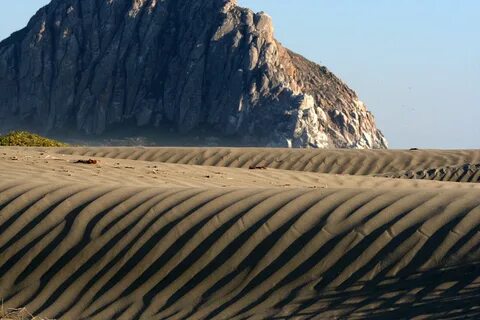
[(28, 139)]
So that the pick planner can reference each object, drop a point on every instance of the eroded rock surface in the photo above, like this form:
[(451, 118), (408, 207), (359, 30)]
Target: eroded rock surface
[(201, 67)]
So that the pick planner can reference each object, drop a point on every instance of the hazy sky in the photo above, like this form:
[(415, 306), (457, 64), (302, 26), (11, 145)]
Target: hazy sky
[(416, 64)]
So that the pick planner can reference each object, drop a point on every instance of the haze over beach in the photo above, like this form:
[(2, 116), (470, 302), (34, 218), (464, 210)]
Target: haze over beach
[(186, 159)]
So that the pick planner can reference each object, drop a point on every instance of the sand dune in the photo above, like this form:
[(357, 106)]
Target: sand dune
[(114, 240), (464, 173), (18, 164), (355, 162)]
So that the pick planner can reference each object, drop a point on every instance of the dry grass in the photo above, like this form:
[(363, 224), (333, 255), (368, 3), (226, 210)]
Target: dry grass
[(17, 314)]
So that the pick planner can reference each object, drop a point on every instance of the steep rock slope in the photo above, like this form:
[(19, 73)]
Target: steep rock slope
[(205, 68)]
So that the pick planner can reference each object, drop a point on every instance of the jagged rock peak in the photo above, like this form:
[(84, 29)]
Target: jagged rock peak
[(201, 68)]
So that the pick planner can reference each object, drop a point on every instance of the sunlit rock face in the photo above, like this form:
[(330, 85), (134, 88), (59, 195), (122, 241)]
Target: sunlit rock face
[(201, 67)]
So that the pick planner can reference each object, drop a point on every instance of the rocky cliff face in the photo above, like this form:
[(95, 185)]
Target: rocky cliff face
[(203, 67)]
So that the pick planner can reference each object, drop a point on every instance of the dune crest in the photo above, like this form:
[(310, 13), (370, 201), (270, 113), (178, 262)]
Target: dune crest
[(353, 162)]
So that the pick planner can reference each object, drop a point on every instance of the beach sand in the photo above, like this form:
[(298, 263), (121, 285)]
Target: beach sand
[(225, 233)]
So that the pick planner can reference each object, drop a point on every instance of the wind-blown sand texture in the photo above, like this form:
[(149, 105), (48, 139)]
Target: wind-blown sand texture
[(357, 162), (170, 233), (463, 173)]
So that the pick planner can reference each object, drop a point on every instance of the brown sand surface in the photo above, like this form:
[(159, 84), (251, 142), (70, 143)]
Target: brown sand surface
[(163, 234), (463, 173), (355, 162), (50, 166)]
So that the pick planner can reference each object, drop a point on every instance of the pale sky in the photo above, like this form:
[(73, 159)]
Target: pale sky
[(416, 64)]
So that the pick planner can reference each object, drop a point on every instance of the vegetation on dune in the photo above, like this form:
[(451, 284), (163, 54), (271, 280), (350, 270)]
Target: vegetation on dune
[(27, 139), (17, 314)]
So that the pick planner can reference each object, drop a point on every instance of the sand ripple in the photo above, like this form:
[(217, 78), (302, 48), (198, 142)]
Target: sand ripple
[(355, 162), (107, 243)]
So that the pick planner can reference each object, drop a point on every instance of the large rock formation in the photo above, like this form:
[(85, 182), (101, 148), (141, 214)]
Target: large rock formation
[(201, 67)]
